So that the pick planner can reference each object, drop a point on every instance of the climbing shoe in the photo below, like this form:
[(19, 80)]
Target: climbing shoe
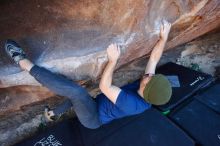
[(50, 116), (14, 51)]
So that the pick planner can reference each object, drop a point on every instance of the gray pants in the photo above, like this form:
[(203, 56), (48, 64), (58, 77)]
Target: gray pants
[(83, 104)]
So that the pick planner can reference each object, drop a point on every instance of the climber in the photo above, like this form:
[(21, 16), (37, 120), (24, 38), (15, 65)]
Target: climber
[(115, 102)]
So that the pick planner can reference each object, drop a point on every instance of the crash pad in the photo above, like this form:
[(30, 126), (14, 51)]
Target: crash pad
[(200, 122), (148, 128), (211, 97), (65, 133), (185, 82)]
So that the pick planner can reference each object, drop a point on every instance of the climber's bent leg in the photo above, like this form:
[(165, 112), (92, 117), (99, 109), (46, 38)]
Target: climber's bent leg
[(63, 107), (83, 104)]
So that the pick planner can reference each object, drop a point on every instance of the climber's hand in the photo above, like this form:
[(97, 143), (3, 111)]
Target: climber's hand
[(165, 29), (113, 52)]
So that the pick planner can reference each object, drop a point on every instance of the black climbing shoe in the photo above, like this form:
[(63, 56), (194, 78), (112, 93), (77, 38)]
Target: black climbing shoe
[(14, 51), (49, 116)]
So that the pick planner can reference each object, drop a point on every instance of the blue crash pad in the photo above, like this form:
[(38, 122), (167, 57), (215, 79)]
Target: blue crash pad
[(211, 97), (200, 122)]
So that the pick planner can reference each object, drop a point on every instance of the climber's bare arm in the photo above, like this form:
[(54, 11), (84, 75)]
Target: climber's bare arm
[(158, 49), (105, 84)]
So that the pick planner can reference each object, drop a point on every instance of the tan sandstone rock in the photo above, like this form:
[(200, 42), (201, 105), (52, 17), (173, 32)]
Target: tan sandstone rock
[(70, 37)]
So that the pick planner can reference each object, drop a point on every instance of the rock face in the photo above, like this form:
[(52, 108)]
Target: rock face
[(70, 37)]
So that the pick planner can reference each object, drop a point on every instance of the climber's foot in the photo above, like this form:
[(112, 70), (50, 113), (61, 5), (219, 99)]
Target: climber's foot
[(14, 51), (49, 114)]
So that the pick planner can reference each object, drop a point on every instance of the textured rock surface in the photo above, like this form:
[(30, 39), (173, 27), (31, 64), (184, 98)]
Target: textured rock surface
[(14, 98), (203, 52), (70, 37)]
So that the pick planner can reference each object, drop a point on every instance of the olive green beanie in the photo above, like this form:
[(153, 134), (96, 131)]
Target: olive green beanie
[(158, 90)]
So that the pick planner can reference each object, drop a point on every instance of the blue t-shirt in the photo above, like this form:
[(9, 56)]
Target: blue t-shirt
[(129, 102)]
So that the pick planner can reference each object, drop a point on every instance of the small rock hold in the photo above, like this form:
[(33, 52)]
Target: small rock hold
[(5, 99)]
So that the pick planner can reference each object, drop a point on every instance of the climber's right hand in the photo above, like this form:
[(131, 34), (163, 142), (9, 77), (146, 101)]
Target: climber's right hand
[(165, 29), (113, 52)]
